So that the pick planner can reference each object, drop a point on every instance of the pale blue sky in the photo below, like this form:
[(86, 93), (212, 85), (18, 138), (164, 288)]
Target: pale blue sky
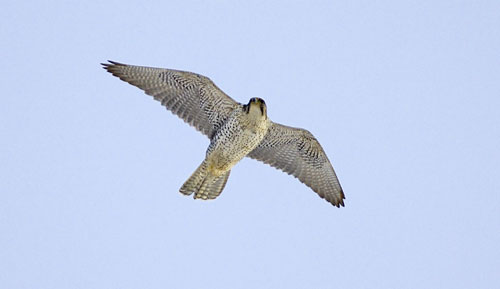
[(403, 96)]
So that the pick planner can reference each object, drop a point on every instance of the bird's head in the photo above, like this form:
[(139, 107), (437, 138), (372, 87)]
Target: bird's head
[(256, 106)]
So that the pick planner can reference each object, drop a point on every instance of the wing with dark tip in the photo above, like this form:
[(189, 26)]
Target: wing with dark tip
[(297, 152), (192, 97)]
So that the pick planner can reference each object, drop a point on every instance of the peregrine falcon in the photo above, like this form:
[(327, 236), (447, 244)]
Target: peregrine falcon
[(235, 130)]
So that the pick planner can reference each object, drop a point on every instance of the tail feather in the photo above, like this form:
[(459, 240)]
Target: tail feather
[(195, 180), (203, 184), (212, 187)]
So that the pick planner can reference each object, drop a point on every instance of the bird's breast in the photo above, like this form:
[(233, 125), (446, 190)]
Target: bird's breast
[(232, 142)]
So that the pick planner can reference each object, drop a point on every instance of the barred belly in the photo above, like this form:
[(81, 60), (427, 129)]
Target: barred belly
[(231, 144)]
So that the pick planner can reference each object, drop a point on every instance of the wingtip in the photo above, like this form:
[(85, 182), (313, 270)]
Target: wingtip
[(341, 202), (338, 205), (106, 65), (111, 63), (338, 202), (115, 62)]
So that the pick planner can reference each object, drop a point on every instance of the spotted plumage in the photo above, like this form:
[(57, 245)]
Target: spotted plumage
[(235, 130)]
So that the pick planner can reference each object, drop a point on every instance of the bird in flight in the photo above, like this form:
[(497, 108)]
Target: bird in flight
[(235, 131)]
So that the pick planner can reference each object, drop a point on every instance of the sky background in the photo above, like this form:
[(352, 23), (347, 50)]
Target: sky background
[(404, 97)]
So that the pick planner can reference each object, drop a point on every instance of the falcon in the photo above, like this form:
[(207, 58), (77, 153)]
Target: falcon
[(235, 131)]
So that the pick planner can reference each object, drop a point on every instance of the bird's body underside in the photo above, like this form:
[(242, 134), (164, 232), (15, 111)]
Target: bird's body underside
[(238, 136), (235, 131)]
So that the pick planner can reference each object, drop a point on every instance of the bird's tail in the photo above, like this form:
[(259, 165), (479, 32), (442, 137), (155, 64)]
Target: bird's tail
[(203, 184)]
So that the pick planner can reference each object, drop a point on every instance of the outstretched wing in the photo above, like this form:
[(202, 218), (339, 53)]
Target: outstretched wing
[(297, 152), (192, 97)]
